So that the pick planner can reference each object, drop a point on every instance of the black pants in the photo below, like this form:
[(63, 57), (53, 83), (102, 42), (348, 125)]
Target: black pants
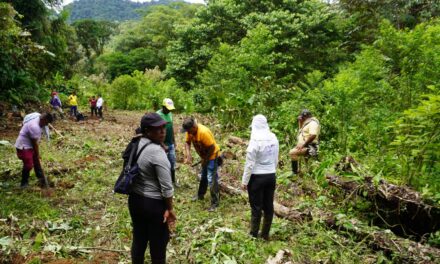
[(261, 189), (93, 109), (148, 227)]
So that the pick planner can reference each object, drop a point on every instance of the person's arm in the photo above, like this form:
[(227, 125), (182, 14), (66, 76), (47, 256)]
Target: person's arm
[(209, 151), (308, 141), (35, 146), (188, 157), (163, 172), (169, 216), (251, 159)]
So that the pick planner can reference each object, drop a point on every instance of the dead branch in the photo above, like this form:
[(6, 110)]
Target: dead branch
[(401, 208), (100, 249)]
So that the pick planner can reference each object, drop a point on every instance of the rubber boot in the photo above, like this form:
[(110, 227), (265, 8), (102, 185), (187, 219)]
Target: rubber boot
[(24, 178), (255, 226), (294, 167), (267, 222)]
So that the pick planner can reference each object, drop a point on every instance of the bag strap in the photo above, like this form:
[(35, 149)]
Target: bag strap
[(142, 149), (133, 152)]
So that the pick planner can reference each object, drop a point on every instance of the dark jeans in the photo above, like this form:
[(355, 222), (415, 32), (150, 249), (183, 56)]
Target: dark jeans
[(30, 160), (261, 189), (148, 227), (73, 110), (93, 110), (210, 177), (99, 111)]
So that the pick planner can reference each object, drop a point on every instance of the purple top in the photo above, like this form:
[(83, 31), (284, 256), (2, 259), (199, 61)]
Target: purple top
[(55, 101), (30, 130)]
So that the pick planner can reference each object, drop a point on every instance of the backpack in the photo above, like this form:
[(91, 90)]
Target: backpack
[(130, 169), (80, 117)]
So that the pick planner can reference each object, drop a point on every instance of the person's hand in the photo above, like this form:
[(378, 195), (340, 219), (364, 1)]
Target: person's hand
[(169, 217), (188, 160), (244, 187)]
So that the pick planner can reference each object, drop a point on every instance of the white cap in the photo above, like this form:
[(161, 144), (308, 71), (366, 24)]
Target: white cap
[(168, 103)]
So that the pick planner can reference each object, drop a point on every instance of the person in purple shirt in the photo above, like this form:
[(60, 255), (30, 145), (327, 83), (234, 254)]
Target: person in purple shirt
[(55, 102), (27, 145)]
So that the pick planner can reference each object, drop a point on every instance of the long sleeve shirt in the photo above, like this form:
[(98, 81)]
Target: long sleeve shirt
[(261, 157), (154, 180)]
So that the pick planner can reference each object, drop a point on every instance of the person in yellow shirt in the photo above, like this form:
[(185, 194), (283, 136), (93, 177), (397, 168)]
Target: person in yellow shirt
[(73, 102), (204, 143), (308, 139)]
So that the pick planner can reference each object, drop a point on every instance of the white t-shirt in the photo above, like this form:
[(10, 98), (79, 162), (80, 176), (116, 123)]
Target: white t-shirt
[(100, 102)]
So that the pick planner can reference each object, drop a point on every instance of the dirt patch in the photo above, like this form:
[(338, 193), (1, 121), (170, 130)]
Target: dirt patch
[(86, 159), (105, 257), (61, 261), (65, 185)]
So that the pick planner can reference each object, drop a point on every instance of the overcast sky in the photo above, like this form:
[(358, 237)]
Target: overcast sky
[(65, 2)]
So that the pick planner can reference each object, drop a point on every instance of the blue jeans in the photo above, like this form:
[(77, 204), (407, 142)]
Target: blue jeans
[(210, 177), (73, 110), (172, 155)]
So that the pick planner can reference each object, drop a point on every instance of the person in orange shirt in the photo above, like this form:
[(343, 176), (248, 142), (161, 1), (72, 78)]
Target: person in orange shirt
[(204, 143)]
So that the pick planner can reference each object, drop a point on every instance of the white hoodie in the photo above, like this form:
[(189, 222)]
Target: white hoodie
[(262, 152)]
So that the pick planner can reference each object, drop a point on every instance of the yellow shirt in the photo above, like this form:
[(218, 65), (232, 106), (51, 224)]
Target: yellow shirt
[(310, 127), (73, 100), (202, 140)]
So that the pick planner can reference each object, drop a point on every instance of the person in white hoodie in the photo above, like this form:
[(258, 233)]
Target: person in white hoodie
[(259, 175)]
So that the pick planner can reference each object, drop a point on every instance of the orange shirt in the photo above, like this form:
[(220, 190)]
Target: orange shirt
[(202, 141)]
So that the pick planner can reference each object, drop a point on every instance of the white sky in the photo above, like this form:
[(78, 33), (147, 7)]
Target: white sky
[(65, 2)]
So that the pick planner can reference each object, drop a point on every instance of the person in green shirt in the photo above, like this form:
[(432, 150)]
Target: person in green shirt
[(170, 143)]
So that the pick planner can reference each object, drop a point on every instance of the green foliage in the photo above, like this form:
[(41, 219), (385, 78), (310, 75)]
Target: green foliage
[(146, 90), (18, 81), (298, 29), (143, 44), (124, 90), (34, 51), (363, 18), (418, 140), (93, 35)]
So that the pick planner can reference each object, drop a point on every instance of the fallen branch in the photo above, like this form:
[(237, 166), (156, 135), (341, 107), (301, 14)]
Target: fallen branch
[(401, 209), (99, 248)]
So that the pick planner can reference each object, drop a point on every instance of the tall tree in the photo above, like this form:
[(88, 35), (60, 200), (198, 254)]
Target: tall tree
[(93, 35)]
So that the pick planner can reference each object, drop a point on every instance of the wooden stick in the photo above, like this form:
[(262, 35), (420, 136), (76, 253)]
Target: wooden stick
[(102, 249), (56, 131)]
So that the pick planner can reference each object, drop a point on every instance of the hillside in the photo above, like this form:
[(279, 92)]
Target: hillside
[(112, 10)]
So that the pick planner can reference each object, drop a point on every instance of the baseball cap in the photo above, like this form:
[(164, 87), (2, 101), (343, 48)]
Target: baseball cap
[(152, 120), (168, 103)]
